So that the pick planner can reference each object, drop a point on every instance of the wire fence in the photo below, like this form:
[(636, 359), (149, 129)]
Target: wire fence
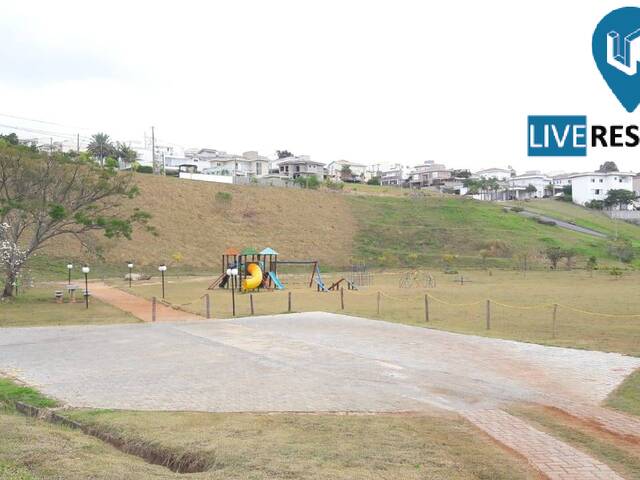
[(548, 322)]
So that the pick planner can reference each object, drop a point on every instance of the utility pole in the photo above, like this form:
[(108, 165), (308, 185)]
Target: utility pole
[(78, 143), (153, 152)]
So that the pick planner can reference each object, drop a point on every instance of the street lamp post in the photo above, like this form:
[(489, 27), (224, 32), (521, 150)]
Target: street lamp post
[(233, 273), (86, 270), (130, 266), (162, 268), (69, 267)]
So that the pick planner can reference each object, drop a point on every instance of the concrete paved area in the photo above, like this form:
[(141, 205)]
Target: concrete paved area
[(300, 362)]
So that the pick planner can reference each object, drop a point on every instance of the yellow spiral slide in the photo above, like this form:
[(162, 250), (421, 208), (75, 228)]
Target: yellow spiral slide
[(255, 279)]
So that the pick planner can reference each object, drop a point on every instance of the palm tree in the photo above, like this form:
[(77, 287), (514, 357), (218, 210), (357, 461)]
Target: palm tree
[(125, 152), (100, 146)]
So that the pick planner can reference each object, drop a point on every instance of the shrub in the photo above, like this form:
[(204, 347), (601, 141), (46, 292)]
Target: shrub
[(622, 249), (517, 209), (595, 204), (374, 181), (223, 197), (307, 181), (144, 169), (334, 185), (542, 221)]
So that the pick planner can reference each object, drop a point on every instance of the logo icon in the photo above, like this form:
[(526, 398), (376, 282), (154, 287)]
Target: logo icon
[(616, 51)]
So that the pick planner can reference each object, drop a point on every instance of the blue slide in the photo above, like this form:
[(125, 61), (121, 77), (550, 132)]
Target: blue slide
[(276, 281)]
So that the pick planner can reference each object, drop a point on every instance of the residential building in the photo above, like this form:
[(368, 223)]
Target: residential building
[(358, 171), (501, 174), (394, 175), (429, 174), (218, 162), (303, 166), (518, 185), (636, 184), (586, 187)]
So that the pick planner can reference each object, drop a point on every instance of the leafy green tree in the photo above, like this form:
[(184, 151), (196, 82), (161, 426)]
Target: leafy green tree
[(346, 173), (554, 255), (619, 198), (567, 193), (608, 167), (284, 153), (460, 173), (125, 153), (100, 146), (11, 139), (43, 197), (531, 188)]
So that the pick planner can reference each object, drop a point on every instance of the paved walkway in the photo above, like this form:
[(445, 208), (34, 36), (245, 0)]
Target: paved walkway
[(553, 458), (137, 306), (603, 418), (320, 362)]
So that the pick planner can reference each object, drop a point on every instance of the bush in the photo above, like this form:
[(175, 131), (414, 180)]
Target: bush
[(622, 249), (542, 221), (144, 169), (223, 197), (334, 185), (595, 204), (307, 181), (517, 209), (374, 181)]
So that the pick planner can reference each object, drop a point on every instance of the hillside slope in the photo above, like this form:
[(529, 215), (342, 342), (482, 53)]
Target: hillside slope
[(194, 221), (389, 229)]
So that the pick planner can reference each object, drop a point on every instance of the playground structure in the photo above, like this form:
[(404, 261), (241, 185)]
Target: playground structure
[(417, 279), (250, 270)]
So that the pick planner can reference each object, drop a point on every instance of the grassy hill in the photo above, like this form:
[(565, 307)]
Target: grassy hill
[(384, 227)]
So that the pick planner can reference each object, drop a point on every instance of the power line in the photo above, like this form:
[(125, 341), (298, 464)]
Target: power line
[(48, 133)]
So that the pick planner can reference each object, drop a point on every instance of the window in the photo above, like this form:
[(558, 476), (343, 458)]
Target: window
[(601, 180), (597, 191), (593, 180)]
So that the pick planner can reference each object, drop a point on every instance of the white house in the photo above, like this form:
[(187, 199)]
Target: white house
[(217, 162), (303, 166), (395, 174), (358, 171), (498, 173), (518, 185), (596, 185)]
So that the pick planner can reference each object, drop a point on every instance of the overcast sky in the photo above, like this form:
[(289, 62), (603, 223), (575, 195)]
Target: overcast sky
[(369, 81)]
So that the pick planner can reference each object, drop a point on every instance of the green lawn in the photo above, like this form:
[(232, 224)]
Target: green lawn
[(627, 396), (37, 307), (419, 231)]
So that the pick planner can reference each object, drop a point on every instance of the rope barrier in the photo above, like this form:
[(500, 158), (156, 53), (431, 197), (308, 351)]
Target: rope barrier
[(522, 307), (610, 315), (455, 304)]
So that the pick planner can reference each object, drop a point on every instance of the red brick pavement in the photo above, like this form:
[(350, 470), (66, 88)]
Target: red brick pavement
[(554, 459), (603, 418)]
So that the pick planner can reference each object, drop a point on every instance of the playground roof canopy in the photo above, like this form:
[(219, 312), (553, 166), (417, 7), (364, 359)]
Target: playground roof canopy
[(231, 251), (268, 251), (249, 251)]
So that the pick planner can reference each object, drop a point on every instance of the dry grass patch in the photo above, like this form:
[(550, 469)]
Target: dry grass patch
[(199, 220), (459, 308), (37, 307)]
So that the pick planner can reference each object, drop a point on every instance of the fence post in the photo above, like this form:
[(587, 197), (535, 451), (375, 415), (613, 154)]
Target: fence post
[(426, 308), (488, 314), (207, 305), (341, 298), (379, 295), (289, 307), (555, 312), (153, 309), (251, 303)]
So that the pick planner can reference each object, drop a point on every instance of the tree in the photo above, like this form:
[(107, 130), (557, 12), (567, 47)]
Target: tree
[(608, 167), (569, 254), (100, 146), (567, 193), (11, 139), (125, 153), (619, 198), (622, 248), (554, 254), (531, 188), (460, 173), (284, 153), (592, 264), (43, 197), (346, 173)]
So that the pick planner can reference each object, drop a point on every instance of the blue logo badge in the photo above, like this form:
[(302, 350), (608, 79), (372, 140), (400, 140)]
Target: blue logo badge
[(616, 50), (557, 135)]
